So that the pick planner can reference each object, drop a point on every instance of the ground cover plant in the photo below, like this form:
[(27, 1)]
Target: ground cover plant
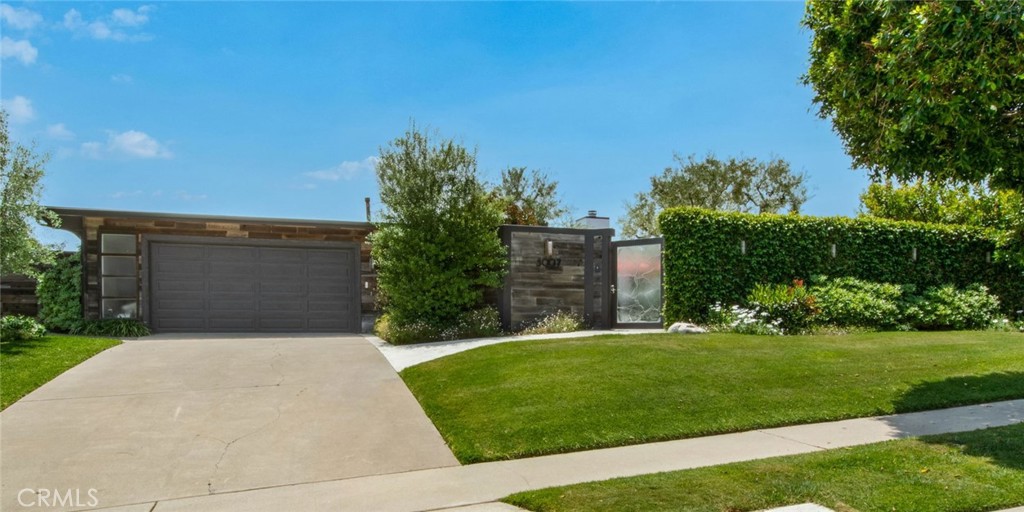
[(540, 397), (557, 322), (27, 364), (963, 472)]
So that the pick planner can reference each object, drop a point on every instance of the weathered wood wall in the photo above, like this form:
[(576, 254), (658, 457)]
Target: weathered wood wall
[(532, 291), (18, 296)]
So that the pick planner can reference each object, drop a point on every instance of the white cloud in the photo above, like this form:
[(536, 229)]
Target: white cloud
[(185, 196), (129, 144), (130, 18), (346, 170), (101, 28), (123, 195), (21, 50), (121, 78), (20, 109), (59, 131), (22, 19)]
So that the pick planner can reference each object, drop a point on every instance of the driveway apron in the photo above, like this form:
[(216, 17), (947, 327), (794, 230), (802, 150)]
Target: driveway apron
[(184, 416)]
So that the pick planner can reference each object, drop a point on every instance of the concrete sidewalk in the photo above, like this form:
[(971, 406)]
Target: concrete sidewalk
[(451, 487), (404, 356)]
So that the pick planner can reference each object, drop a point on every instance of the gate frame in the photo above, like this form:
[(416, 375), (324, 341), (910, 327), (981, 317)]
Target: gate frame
[(613, 304)]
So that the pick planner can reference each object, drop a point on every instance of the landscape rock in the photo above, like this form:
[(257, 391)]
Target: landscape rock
[(685, 328)]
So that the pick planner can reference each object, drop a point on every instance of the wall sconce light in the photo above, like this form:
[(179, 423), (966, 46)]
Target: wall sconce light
[(913, 254), (549, 260), (988, 257), (743, 246), (833, 250)]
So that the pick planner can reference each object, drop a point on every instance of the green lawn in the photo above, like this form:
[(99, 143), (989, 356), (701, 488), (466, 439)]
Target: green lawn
[(966, 472), (530, 398), (26, 365)]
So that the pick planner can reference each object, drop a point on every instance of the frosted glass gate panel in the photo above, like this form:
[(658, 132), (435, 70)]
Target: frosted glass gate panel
[(638, 282)]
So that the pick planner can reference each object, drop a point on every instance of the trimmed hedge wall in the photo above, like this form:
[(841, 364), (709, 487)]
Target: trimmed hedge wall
[(704, 257)]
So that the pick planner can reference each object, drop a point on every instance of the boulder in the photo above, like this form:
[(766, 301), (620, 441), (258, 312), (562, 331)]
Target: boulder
[(685, 328)]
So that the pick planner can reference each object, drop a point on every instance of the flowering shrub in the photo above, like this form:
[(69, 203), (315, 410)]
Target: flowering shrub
[(791, 305), (947, 307), (741, 320), (559, 321), (848, 301), (477, 323)]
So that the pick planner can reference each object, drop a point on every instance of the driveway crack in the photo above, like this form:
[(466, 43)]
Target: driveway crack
[(229, 444)]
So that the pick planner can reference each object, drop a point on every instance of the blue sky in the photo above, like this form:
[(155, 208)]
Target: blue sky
[(276, 109)]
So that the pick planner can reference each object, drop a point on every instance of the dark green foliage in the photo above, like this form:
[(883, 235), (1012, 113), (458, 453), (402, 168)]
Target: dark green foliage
[(477, 323), (946, 307), (973, 205), (923, 89), (20, 327), (60, 292), (704, 263), (436, 248), (528, 199), (791, 305), (113, 327), (21, 170), (848, 301), (744, 184)]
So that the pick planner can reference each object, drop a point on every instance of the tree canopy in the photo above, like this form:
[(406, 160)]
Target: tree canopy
[(436, 247), (528, 198), (923, 89), (745, 185), (20, 173)]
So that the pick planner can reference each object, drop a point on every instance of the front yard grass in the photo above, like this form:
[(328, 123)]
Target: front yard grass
[(964, 472), (532, 398), (26, 365)]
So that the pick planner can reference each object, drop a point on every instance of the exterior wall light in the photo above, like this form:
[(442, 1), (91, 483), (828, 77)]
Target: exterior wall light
[(549, 261)]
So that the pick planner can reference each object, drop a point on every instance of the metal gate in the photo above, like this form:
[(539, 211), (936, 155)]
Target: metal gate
[(636, 284)]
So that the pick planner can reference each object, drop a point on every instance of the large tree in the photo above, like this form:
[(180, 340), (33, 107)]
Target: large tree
[(529, 198), (923, 89), (436, 247), (745, 185), (21, 170)]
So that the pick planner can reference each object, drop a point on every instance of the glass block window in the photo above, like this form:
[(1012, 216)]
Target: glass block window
[(119, 275)]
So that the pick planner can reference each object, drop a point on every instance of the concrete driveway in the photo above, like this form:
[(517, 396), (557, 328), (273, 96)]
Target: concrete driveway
[(168, 417)]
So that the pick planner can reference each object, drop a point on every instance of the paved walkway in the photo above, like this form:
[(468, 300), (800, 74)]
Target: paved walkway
[(168, 417), (404, 356), (450, 487)]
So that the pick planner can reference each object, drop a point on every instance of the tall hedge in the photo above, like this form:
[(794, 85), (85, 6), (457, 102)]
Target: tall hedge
[(60, 293), (719, 256)]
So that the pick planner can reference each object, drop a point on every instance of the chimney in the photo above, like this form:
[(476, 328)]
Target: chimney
[(592, 221), (368, 209)]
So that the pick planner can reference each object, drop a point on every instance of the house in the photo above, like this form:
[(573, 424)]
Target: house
[(207, 273)]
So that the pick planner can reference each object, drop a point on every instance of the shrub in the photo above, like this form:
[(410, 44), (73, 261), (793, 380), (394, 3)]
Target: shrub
[(436, 248), (848, 301), (478, 323), (60, 292), (112, 327), (946, 307), (20, 327), (742, 320), (559, 321), (790, 307), (719, 256)]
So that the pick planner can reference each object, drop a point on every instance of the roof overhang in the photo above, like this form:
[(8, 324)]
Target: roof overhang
[(72, 219)]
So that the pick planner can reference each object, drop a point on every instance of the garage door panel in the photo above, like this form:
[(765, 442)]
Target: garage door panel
[(234, 268), (285, 287), (214, 287), (231, 286), (183, 285), (232, 323), (283, 270), (178, 267)]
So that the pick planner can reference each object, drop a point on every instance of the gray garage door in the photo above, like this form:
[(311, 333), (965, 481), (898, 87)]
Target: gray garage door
[(239, 288)]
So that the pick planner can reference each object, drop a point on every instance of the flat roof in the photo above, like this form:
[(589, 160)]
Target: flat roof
[(67, 213)]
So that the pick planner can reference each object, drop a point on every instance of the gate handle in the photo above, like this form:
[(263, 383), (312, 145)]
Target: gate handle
[(613, 289)]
